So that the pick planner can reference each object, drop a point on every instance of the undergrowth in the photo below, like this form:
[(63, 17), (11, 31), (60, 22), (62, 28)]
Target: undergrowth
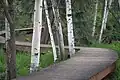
[(23, 62)]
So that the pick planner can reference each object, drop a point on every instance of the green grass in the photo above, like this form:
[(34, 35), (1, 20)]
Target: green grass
[(23, 62), (115, 46)]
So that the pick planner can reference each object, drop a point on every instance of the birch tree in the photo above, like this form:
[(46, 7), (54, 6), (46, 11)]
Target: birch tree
[(10, 40), (105, 17), (119, 2), (107, 12), (119, 6), (50, 31), (95, 17), (103, 21), (70, 27), (37, 28), (59, 33)]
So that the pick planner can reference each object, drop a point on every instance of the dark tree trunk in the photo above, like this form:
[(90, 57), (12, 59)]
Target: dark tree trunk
[(10, 44), (45, 35)]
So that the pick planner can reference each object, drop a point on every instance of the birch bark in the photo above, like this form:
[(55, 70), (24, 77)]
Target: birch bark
[(50, 31), (70, 27), (119, 2), (59, 33), (105, 17), (37, 28), (10, 40), (103, 21), (95, 17), (107, 13)]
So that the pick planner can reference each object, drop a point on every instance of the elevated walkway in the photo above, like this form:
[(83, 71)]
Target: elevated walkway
[(87, 64)]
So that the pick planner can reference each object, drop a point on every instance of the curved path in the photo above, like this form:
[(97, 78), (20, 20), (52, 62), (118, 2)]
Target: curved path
[(87, 64)]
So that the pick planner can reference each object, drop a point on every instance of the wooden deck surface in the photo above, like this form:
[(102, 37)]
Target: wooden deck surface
[(82, 66)]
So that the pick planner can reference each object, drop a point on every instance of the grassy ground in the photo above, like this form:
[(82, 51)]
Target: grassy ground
[(23, 62), (115, 46)]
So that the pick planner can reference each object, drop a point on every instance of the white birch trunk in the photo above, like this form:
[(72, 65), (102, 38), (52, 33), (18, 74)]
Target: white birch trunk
[(119, 7), (103, 21), (7, 28), (70, 27), (61, 35), (107, 13), (50, 31), (119, 3), (35, 51), (95, 17), (7, 34), (59, 30)]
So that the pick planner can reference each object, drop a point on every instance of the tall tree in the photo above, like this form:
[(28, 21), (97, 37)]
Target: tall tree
[(107, 12), (10, 41), (70, 27), (50, 31), (119, 2), (95, 17), (103, 21), (105, 17), (59, 33), (37, 28)]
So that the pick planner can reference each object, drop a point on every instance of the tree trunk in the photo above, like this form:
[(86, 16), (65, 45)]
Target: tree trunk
[(119, 3), (50, 31), (107, 12), (37, 28), (59, 33), (105, 17), (70, 27), (45, 35), (103, 21), (95, 17), (10, 42)]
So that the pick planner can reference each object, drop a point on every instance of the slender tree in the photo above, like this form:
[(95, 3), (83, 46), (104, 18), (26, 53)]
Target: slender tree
[(119, 2), (10, 40), (95, 17), (105, 17), (50, 31), (103, 21), (37, 28), (107, 13), (58, 30), (70, 27)]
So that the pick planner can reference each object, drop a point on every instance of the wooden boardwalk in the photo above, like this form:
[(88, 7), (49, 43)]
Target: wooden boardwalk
[(87, 64)]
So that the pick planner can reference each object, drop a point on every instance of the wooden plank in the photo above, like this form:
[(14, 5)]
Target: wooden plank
[(79, 67), (104, 73)]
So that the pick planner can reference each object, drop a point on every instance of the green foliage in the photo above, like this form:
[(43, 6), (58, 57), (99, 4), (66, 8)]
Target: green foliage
[(2, 61), (24, 13), (23, 62), (83, 20), (46, 59), (115, 46)]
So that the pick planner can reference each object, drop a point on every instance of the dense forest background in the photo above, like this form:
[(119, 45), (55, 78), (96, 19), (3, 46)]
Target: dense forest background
[(83, 18)]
